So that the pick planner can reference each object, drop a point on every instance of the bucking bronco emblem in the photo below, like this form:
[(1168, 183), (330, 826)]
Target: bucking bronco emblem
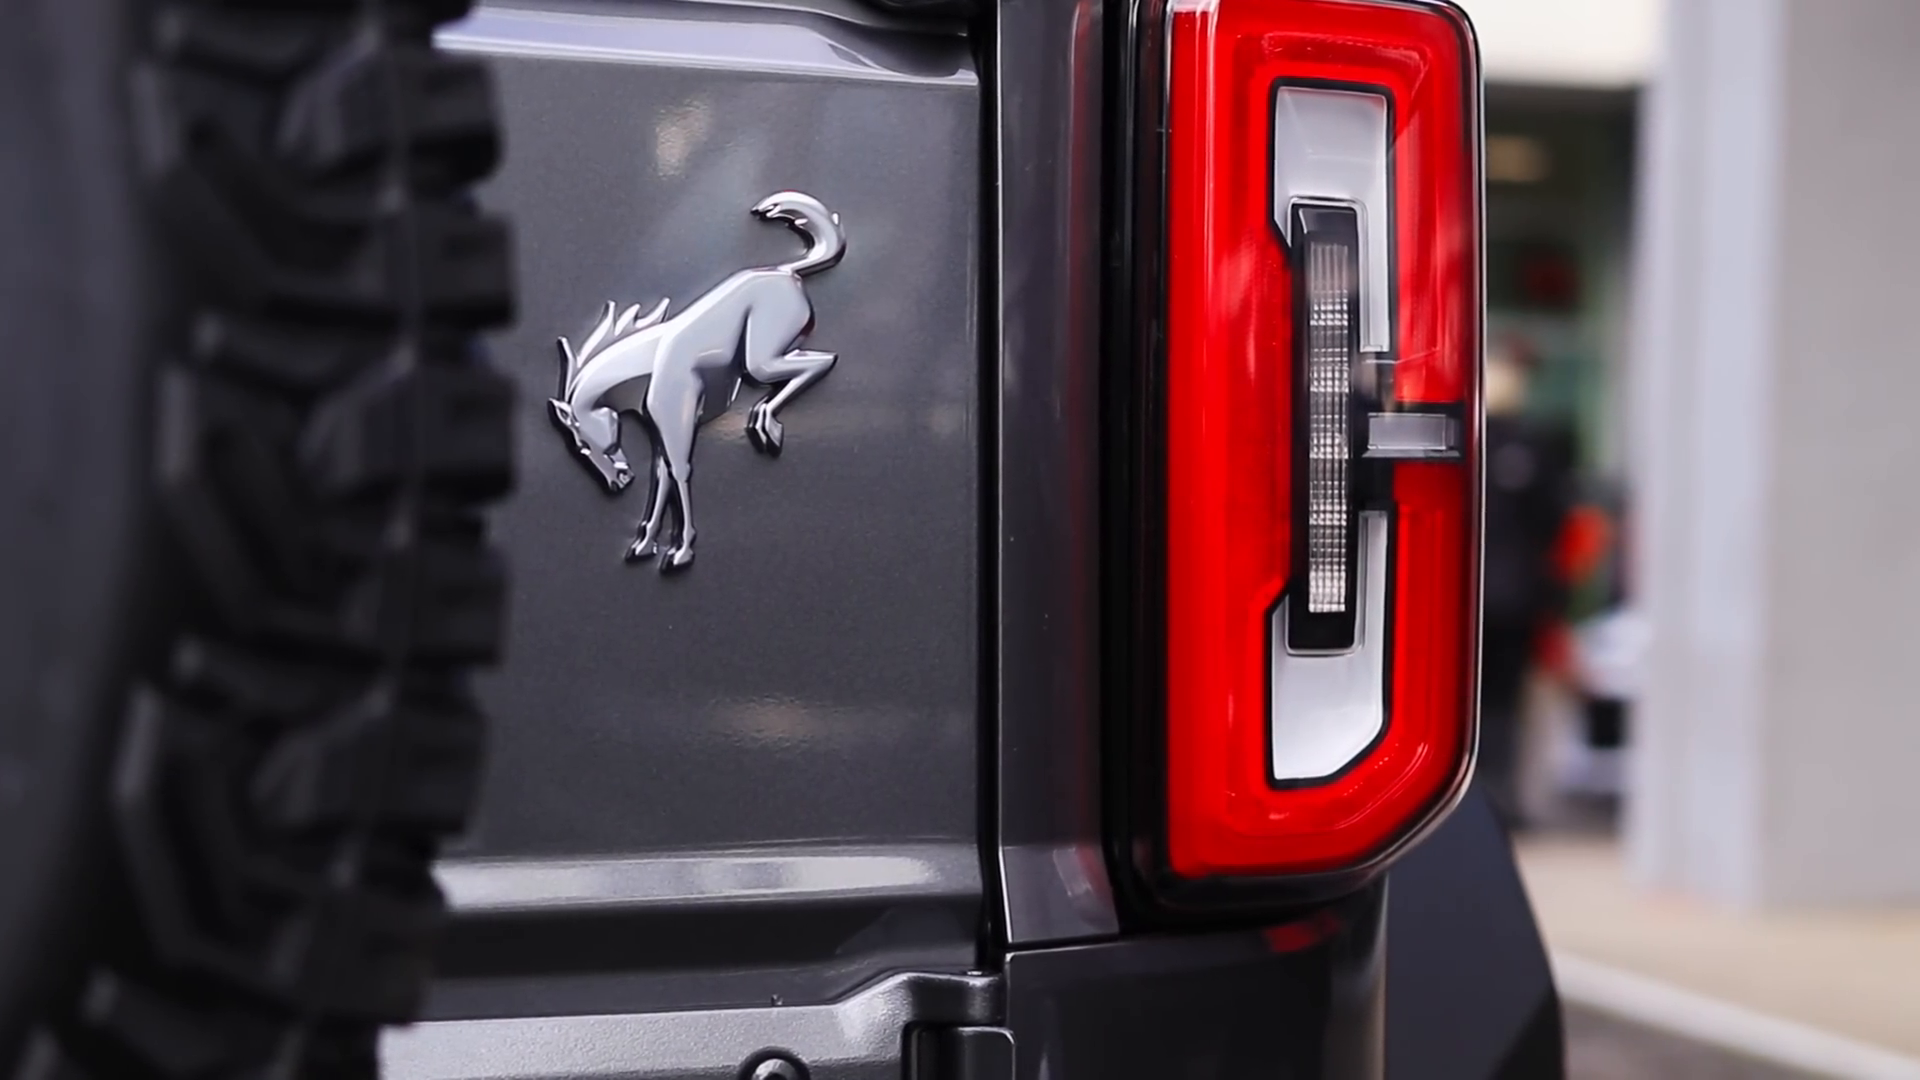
[(661, 369)]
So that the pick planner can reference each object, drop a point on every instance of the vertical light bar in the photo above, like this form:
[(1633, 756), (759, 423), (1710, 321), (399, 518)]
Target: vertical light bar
[(1329, 286), (1331, 198), (1327, 291)]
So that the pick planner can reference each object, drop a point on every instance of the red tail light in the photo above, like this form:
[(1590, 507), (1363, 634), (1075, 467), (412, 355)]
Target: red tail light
[(1314, 310)]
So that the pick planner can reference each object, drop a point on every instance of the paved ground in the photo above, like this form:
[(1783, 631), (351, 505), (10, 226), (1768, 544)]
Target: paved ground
[(1600, 1047), (1846, 972)]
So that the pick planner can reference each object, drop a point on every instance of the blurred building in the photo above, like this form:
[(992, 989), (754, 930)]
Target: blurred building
[(1565, 83), (1563, 86), (1774, 440), (1701, 213)]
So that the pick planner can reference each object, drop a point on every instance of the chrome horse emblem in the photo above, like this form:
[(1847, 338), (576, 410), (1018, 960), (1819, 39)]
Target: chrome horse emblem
[(659, 368)]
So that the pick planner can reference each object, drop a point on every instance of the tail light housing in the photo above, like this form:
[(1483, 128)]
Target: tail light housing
[(1296, 487)]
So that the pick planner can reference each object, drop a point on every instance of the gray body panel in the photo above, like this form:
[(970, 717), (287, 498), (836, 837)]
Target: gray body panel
[(757, 778), (1049, 162)]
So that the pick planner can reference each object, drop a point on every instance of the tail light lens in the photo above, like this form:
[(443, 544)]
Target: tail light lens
[(1314, 314)]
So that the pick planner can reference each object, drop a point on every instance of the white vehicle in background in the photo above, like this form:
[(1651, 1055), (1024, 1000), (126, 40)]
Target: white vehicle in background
[(1609, 660)]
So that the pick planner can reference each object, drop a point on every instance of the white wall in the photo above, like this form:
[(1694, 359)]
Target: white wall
[(1591, 43), (1777, 747)]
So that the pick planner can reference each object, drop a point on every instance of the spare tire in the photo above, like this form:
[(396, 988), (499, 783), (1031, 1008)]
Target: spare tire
[(246, 439)]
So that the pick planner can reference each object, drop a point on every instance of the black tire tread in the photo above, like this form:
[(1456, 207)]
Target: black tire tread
[(327, 439)]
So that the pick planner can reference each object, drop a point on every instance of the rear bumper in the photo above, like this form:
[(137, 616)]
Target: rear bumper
[(1467, 995), (1237, 1004), (1439, 974), (1469, 991)]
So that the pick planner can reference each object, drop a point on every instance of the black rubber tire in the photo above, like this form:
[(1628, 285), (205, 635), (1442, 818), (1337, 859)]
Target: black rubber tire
[(246, 440)]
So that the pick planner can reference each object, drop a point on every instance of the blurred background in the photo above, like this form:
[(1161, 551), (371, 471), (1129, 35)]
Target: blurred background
[(1703, 580)]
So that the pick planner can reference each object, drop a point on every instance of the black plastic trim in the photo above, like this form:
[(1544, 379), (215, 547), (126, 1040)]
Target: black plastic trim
[(1234, 1003), (930, 9), (1540, 1052)]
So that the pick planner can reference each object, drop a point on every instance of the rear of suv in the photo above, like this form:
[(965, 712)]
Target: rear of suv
[(1067, 666), (1057, 692)]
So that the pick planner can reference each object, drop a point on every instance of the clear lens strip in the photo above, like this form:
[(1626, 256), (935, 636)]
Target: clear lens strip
[(1330, 357)]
